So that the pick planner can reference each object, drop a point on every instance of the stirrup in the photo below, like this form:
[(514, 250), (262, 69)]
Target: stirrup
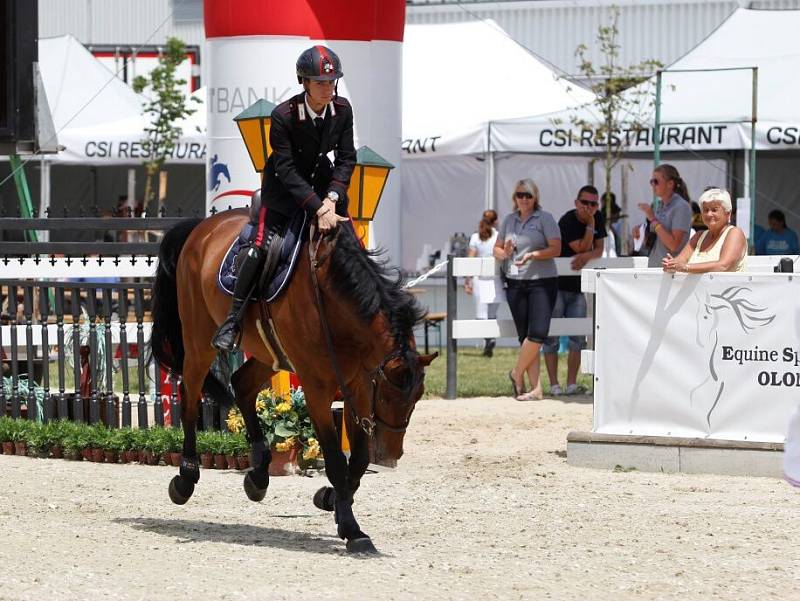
[(228, 337)]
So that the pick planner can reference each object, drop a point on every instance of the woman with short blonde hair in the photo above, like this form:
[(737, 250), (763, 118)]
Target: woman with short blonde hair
[(722, 247)]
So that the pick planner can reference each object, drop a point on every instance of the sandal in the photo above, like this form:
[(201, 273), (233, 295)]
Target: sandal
[(517, 391), (533, 395)]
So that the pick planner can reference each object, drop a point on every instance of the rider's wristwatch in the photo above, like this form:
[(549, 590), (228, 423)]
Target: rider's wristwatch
[(333, 196)]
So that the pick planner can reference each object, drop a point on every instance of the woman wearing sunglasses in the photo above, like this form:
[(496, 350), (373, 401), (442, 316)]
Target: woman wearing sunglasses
[(672, 220), (528, 241)]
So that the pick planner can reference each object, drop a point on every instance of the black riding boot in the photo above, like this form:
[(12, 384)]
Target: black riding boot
[(229, 334)]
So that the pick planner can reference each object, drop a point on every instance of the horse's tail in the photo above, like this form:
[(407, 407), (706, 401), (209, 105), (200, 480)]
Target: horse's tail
[(166, 340)]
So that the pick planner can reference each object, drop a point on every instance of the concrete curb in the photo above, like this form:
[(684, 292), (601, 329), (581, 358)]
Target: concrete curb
[(667, 454)]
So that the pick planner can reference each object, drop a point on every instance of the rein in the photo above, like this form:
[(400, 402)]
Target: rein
[(368, 423)]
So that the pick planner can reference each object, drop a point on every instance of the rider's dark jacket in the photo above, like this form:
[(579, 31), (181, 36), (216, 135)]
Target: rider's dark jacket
[(288, 185)]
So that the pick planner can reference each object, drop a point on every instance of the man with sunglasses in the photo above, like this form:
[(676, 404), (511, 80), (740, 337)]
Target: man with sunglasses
[(582, 232)]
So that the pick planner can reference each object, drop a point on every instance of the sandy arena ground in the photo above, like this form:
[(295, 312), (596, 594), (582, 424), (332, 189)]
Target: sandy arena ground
[(483, 506)]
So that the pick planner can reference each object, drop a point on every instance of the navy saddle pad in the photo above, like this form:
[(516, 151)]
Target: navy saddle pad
[(288, 258)]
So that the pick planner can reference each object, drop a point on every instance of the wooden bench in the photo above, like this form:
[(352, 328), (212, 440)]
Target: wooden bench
[(433, 320)]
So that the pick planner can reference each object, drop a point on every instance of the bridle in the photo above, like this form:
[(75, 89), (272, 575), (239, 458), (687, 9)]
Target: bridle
[(377, 376)]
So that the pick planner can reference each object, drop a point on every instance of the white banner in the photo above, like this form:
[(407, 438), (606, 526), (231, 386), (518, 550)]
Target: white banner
[(714, 356)]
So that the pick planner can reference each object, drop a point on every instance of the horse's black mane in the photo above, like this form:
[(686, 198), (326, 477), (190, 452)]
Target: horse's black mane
[(364, 277)]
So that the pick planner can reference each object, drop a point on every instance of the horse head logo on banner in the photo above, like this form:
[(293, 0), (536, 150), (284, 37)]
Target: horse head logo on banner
[(711, 311)]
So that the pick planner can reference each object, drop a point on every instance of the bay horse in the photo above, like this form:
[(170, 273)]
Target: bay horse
[(345, 323)]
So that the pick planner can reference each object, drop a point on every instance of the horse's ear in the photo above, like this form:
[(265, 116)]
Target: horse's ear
[(426, 360)]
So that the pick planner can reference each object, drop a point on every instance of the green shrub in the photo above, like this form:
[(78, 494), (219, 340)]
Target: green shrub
[(175, 439), (158, 441), (116, 441), (60, 429), (39, 438), (139, 439), (77, 438), (20, 429), (98, 436), (238, 444), (204, 442), (6, 425)]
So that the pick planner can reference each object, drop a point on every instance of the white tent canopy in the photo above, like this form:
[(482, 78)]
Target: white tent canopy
[(707, 110), (459, 76), (98, 117)]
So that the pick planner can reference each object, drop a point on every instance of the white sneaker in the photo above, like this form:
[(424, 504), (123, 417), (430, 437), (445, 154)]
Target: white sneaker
[(555, 390), (575, 389)]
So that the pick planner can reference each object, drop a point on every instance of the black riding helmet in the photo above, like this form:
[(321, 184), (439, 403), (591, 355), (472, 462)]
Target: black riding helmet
[(319, 63)]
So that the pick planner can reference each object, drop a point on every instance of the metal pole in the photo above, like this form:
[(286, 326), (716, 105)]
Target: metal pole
[(452, 345), (489, 196), (44, 205), (752, 190), (657, 128)]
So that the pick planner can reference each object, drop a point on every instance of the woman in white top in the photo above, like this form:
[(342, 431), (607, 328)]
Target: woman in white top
[(723, 247), (486, 290)]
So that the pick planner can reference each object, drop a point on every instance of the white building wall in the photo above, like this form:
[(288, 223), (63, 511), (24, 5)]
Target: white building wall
[(129, 22), (648, 29)]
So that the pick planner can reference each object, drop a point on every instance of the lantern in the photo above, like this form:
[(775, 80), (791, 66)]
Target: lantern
[(367, 183), (254, 123)]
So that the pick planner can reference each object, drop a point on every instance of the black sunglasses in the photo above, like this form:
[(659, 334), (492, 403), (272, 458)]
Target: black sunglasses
[(589, 203), (527, 195), (654, 182)]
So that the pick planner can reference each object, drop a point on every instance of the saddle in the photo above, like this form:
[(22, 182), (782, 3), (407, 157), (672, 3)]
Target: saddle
[(282, 250)]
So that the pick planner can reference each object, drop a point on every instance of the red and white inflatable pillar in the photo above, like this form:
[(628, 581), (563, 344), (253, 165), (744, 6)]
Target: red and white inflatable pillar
[(252, 47)]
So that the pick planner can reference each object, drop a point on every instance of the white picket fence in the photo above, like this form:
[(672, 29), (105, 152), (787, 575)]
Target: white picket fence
[(459, 329)]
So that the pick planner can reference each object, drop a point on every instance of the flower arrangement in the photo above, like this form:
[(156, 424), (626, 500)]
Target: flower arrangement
[(285, 421)]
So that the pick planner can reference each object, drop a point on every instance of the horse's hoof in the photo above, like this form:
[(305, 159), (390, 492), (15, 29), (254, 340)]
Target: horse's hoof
[(361, 545), (180, 490), (254, 493), (324, 498)]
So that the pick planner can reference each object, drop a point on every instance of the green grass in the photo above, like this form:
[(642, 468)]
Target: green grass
[(483, 376), (477, 375)]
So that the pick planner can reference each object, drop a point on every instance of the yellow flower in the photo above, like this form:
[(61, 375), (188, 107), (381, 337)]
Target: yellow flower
[(261, 404), (312, 451), (235, 421), (282, 408), (286, 445)]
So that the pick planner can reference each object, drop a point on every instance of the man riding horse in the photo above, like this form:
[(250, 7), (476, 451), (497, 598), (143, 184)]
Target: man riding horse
[(298, 175)]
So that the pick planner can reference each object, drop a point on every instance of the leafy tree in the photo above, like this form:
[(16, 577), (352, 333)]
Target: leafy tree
[(167, 105), (624, 99)]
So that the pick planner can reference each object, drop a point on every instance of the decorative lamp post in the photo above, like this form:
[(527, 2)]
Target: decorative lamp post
[(366, 187), (254, 123)]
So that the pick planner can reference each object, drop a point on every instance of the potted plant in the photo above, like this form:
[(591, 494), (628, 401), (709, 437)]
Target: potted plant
[(6, 426), (76, 440), (97, 442), (204, 448), (175, 451), (39, 440), (241, 449), (138, 444), (122, 443), (19, 435), (157, 444), (218, 450), (287, 427), (230, 450), (60, 428), (114, 444)]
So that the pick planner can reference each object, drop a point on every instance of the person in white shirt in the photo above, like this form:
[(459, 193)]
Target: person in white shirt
[(487, 291)]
